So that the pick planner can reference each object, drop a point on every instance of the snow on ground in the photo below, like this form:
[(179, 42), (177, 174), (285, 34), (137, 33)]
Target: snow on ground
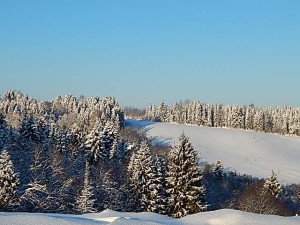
[(219, 217), (247, 152), (235, 217)]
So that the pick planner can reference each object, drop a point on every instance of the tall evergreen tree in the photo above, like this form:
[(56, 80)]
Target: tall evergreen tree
[(85, 201), (157, 185), (141, 175), (93, 145), (43, 130), (8, 179), (28, 130), (186, 193)]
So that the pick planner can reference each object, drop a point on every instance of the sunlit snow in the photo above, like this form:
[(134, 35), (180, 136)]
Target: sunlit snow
[(247, 152), (219, 217)]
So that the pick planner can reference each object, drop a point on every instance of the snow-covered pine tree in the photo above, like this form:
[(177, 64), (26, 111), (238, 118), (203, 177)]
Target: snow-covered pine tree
[(4, 132), (28, 130), (93, 145), (210, 116), (249, 118), (259, 121), (186, 193), (43, 130), (162, 112), (157, 185), (237, 117), (107, 138), (85, 201), (8, 179), (141, 173), (133, 198), (272, 185), (117, 151), (218, 169)]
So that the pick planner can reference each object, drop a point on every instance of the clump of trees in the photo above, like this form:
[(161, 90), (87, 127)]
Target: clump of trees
[(263, 197)]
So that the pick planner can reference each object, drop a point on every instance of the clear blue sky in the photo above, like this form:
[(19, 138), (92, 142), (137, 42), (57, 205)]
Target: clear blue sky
[(232, 52)]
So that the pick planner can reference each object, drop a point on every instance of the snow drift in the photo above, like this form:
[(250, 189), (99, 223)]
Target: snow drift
[(219, 217)]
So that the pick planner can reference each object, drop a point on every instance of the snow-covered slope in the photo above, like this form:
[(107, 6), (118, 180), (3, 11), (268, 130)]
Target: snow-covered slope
[(247, 152), (219, 217)]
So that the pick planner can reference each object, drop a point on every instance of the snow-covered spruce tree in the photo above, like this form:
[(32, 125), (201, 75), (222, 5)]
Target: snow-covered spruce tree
[(162, 112), (133, 199), (4, 132), (78, 137), (237, 118), (186, 193), (272, 185), (141, 175), (115, 152), (85, 200), (28, 130), (93, 145), (28, 133), (218, 169), (43, 129), (106, 143), (8, 179), (158, 196)]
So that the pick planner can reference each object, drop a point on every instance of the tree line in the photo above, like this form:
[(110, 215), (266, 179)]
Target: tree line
[(281, 120)]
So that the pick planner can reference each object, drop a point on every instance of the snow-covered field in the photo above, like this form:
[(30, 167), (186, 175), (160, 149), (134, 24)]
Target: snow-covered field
[(219, 217), (246, 152)]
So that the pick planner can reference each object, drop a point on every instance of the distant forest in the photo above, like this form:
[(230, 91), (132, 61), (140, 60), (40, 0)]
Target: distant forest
[(280, 120)]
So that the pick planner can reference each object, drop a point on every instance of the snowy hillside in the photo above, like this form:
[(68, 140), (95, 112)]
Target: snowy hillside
[(247, 152), (219, 217)]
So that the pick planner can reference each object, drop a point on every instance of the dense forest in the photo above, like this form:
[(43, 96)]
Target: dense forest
[(74, 155)]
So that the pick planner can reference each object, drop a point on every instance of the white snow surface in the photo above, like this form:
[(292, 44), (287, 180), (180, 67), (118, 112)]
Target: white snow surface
[(244, 151), (219, 217)]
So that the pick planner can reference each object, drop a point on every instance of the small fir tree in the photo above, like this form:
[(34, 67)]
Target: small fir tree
[(218, 169), (272, 185)]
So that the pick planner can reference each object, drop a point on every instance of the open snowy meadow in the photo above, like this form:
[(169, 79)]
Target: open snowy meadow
[(219, 217), (247, 152)]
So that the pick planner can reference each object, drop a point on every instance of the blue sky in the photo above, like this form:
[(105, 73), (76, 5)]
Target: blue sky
[(232, 52)]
